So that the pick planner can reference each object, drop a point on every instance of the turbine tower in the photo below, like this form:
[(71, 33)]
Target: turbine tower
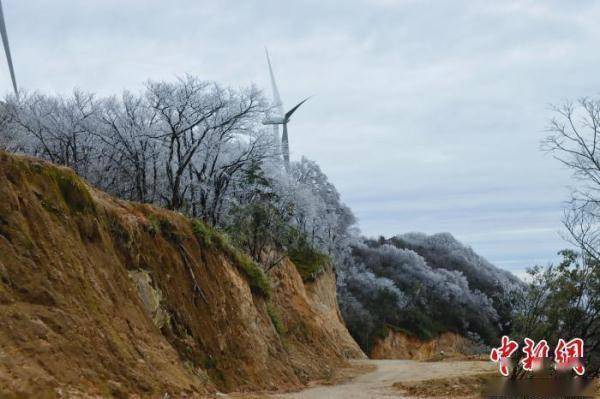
[(7, 51), (281, 117)]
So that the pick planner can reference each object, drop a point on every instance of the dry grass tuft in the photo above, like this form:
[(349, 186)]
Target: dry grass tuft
[(452, 387)]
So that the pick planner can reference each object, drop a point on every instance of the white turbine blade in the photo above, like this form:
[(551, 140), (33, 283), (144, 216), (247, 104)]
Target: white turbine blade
[(288, 115), (7, 50), (276, 97)]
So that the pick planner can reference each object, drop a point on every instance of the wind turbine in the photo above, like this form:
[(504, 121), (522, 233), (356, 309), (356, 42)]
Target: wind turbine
[(282, 117), (7, 50)]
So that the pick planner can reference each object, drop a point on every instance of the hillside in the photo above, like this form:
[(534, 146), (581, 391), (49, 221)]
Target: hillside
[(422, 287), (103, 296)]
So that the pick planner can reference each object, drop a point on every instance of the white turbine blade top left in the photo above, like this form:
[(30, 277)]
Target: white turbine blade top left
[(276, 97), (7, 50)]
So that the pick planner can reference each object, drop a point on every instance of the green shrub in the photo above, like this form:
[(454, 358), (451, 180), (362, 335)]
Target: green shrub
[(276, 319), (309, 262), (168, 230), (259, 281), (203, 232), (209, 362), (74, 192), (154, 226), (161, 225)]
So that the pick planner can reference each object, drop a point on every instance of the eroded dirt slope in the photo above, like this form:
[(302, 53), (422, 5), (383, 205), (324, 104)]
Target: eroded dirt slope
[(399, 345), (102, 296)]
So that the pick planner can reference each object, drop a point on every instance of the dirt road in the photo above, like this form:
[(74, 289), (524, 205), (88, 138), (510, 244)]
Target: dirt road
[(378, 384)]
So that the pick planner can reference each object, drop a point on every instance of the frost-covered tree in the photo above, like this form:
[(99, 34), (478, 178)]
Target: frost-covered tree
[(181, 144), (59, 128), (574, 139), (438, 282), (9, 139), (192, 146), (208, 135), (443, 251), (321, 214)]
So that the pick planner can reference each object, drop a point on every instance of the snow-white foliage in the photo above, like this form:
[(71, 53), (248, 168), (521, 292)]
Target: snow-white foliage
[(440, 285), (318, 210), (188, 145), (444, 250), (183, 145)]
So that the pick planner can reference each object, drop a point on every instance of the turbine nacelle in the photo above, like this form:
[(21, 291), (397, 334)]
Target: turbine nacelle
[(282, 120), (274, 120)]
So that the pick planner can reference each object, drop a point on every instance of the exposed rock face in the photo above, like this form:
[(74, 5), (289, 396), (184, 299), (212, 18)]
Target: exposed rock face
[(399, 345), (105, 297)]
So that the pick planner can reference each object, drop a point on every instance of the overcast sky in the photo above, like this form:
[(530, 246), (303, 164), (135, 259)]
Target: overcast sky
[(427, 115)]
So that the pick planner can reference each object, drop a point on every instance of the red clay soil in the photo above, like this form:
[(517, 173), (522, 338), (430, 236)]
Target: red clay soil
[(106, 297)]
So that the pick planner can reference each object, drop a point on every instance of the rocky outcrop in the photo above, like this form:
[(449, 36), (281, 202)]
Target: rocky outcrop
[(105, 297), (399, 345)]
